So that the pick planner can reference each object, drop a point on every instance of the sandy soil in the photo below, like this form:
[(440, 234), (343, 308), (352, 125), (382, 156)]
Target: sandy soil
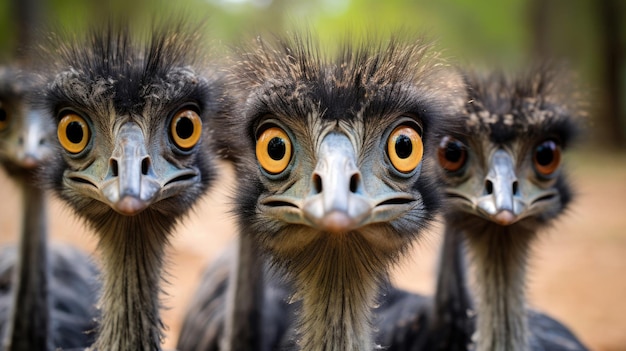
[(577, 274)]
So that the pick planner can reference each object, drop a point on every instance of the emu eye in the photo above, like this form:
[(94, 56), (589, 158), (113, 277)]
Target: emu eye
[(547, 157), (186, 129), (405, 148), (273, 150), (73, 133), (4, 118), (452, 154)]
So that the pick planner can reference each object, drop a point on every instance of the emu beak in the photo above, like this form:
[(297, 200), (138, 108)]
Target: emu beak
[(501, 202), (132, 185), (336, 203), (32, 146)]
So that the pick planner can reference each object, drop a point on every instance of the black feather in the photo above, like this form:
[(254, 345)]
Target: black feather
[(114, 74)]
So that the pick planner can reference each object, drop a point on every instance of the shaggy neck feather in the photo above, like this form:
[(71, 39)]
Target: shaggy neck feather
[(30, 324), (132, 250), (244, 298), (338, 287), (500, 256), (452, 302)]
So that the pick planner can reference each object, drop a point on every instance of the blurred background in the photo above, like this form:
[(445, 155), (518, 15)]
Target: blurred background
[(578, 271)]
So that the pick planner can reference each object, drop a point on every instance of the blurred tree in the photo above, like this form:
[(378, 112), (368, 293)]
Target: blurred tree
[(613, 72), (589, 34), (592, 35), (28, 15)]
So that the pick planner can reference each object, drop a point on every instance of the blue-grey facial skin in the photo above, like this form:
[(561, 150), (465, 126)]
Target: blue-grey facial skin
[(340, 213), (505, 182), (26, 134), (503, 187)]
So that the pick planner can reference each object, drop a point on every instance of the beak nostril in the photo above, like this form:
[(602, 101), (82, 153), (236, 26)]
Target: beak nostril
[(515, 187), (317, 183), (354, 182), (114, 168), (42, 141), (145, 166), (488, 187), (20, 141)]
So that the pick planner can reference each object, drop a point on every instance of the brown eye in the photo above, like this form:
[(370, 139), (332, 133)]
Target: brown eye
[(73, 133), (452, 154), (186, 129), (405, 148), (4, 119), (547, 157), (273, 150)]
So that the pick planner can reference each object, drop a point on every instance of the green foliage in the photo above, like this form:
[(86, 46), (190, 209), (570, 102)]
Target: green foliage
[(477, 32), (468, 29)]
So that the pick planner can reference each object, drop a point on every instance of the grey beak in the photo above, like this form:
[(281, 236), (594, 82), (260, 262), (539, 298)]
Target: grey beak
[(336, 203), (134, 187), (498, 201)]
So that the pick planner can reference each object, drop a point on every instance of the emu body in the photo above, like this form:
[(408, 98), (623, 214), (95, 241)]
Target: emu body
[(505, 183), (49, 293), (323, 193), (132, 116)]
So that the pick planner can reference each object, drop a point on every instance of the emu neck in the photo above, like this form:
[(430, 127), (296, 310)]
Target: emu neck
[(132, 251), (337, 281), (500, 255), (452, 323), (29, 328), (245, 296)]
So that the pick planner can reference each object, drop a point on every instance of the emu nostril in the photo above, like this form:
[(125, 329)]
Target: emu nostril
[(317, 183), (488, 187), (20, 141), (145, 166), (42, 141), (515, 187), (114, 169), (354, 182)]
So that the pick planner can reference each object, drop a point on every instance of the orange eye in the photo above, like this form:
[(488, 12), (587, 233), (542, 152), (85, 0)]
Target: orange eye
[(73, 133), (452, 154), (186, 129), (547, 157), (273, 150), (405, 148), (4, 118)]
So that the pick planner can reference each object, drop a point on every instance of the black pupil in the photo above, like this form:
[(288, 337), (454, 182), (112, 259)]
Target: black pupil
[(454, 152), (545, 153), (74, 132), (3, 115), (404, 147), (184, 128), (276, 148)]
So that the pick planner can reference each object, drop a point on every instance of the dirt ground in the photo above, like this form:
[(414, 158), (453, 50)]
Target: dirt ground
[(577, 275)]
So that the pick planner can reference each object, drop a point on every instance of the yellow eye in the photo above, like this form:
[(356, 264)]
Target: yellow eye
[(273, 150), (4, 118), (186, 129), (73, 133), (405, 148)]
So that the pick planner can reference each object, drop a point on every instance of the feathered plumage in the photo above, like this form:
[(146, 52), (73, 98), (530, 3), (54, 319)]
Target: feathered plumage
[(132, 114), (39, 308), (505, 182), (334, 221)]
